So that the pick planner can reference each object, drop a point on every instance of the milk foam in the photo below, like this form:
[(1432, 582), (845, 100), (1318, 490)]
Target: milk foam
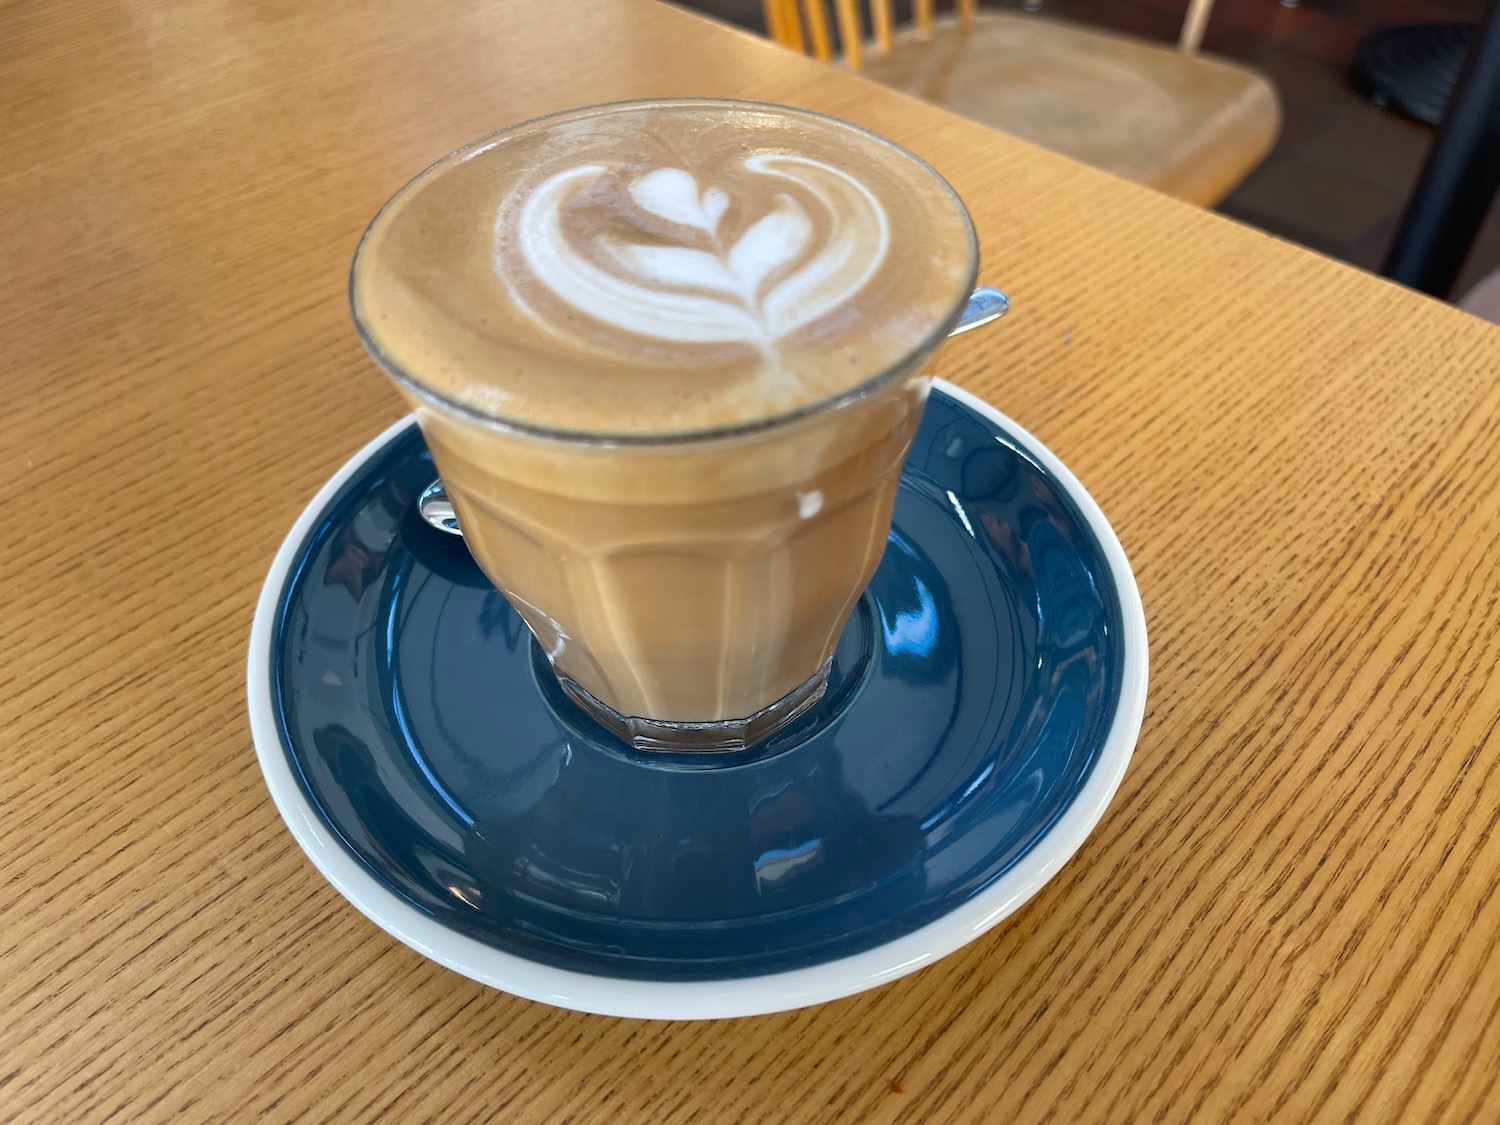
[(788, 270), (662, 267)]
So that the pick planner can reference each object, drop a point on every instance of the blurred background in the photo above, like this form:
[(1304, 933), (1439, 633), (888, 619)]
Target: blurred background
[(1334, 173)]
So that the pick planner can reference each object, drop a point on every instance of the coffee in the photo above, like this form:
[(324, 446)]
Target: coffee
[(665, 356), (659, 268)]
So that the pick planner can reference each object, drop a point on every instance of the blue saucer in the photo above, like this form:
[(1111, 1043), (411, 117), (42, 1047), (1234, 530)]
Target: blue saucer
[(988, 688)]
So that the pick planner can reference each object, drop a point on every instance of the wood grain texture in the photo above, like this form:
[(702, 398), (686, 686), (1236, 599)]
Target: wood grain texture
[(1289, 913)]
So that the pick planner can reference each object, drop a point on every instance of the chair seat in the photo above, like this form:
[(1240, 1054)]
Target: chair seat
[(1187, 125)]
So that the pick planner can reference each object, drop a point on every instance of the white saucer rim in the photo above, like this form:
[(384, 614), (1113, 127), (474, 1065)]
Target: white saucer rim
[(711, 999)]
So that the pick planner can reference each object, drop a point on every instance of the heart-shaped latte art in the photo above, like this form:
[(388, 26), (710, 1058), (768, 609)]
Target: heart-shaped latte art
[(672, 194), (678, 275)]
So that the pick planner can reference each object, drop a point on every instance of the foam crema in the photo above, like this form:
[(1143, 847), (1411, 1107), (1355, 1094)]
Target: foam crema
[(662, 267)]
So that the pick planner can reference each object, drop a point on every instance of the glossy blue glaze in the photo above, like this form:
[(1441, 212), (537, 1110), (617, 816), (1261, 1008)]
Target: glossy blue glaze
[(969, 698)]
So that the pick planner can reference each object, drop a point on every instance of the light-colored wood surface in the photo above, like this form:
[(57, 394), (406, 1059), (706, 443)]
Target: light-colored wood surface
[(1182, 123), (1289, 914)]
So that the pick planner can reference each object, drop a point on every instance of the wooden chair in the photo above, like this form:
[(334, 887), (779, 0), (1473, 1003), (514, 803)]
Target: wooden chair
[(1187, 125)]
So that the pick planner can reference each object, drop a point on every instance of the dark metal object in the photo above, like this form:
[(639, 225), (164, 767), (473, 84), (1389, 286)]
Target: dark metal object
[(1461, 175), (1413, 69)]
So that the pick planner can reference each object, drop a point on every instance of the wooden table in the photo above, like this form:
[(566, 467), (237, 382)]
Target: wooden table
[(1289, 913)]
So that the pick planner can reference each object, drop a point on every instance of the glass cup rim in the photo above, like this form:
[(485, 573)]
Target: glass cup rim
[(496, 420)]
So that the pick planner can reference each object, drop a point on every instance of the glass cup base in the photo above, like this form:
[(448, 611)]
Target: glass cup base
[(706, 737)]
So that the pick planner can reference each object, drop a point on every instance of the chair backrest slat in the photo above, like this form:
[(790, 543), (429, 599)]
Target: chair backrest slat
[(771, 10), (851, 33), (793, 24), (922, 17), (884, 16), (783, 24), (817, 29)]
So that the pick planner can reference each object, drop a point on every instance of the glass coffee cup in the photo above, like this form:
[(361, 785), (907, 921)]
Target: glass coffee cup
[(668, 357)]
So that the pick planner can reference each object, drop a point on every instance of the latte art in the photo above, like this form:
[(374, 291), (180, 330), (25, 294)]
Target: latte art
[(662, 268), (819, 240)]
